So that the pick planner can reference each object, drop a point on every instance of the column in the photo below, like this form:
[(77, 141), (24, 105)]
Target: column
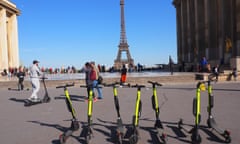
[(238, 27), (196, 26), (3, 40), (184, 29), (13, 54), (177, 5), (189, 38), (235, 30), (194, 50)]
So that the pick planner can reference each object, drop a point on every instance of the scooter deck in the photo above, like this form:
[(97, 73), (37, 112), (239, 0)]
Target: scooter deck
[(213, 124), (44, 100), (30, 103), (120, 126)]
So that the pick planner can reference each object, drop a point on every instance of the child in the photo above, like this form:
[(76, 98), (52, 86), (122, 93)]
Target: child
[(20, 75)]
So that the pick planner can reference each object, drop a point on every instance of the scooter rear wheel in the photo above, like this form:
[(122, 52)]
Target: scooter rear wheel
[(228, 139), (227, 136)]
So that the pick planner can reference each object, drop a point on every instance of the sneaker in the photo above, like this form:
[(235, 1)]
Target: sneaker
[(95, 100), (34, 99), (37, 100), (99, 98)]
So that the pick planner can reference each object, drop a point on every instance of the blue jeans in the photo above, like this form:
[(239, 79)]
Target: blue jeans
[(95, 85)]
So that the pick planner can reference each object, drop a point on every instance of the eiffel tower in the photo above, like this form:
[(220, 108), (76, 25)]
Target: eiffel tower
[(123, 46)]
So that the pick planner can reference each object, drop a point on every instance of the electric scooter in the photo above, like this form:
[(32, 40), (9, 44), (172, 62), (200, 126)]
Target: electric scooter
[(211, 121), (158, 124), (89, 133), (45, 99), (74, 123), (195, 137), (135, 123), (120, 132)]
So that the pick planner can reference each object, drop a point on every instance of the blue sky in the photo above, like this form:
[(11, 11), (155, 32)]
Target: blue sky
[(71, 32)]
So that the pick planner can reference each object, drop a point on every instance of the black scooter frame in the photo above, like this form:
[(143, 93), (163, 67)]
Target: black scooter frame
[(211, 121), (196, 138), (89, 133), (135, 123), (74, 123), (158, 124), (120, 131)]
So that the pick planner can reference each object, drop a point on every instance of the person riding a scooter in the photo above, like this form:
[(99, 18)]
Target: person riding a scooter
[(34, 76)]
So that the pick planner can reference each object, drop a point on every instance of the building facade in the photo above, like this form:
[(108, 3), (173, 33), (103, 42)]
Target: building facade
[(9, 53), (208, 28)]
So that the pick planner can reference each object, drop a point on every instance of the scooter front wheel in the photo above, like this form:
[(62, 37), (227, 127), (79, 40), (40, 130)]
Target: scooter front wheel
[(133, 139), (119, 139), (164, 139), (62, 139), (196, 139), (88, 138)]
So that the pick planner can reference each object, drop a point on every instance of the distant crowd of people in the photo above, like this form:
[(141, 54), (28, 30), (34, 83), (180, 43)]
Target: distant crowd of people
[(204, 66)]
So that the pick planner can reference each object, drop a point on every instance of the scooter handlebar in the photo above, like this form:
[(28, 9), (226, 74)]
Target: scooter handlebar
[(43, 78), (111, 84), (156, 83), (85, 86), (117, 84), (66, 85), (137, 86)]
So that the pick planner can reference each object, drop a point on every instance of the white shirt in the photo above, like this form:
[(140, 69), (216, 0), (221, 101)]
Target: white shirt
[(35, 71)]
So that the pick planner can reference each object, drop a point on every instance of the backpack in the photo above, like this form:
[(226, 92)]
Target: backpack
[(100, 79)]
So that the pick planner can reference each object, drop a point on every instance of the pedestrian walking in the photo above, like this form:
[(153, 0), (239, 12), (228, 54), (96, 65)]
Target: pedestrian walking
[(171, 65), (94, 78), (20, 76), (123, 74), (216, 72)]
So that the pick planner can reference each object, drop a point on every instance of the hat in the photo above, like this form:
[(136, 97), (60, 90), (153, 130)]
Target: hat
[(35, 61)]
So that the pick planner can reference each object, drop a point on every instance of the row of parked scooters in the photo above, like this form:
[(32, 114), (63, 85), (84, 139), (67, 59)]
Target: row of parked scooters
[(120, 131), (134, 132)]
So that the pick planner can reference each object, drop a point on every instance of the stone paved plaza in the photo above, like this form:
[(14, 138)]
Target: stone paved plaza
[(42, 124)]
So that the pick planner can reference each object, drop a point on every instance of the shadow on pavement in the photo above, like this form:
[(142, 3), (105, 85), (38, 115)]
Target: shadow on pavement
[(24, 101), (73, 98), (58, 127), (113, 131), (212, 136)]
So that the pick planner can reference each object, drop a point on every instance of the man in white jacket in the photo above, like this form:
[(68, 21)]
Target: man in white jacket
[(34, 76)]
